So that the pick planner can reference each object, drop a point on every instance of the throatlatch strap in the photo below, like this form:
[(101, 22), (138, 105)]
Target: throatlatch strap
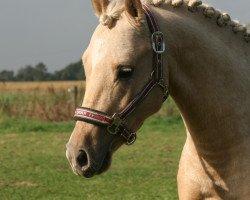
[(157, 64)]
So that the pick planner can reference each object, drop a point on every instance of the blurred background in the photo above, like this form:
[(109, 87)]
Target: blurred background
[(57, 32), (44, 41), (41, 83)]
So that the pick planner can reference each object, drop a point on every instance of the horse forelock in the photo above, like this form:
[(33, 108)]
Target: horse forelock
[(113, 12), (116, 7)]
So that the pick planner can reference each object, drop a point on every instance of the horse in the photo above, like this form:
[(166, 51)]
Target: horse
[(201, 58)]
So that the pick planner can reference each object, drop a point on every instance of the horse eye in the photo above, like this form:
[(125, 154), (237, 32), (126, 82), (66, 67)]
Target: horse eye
[(125, 72)]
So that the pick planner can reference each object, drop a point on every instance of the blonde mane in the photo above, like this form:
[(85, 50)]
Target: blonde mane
[(116, 7)]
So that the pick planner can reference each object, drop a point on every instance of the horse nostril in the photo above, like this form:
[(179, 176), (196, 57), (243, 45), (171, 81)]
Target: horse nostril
[(82, 158)]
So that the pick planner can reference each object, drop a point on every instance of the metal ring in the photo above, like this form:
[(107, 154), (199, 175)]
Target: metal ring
[(131, 139)]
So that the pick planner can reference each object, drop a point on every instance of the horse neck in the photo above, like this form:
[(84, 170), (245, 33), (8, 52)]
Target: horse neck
[(208, 77)]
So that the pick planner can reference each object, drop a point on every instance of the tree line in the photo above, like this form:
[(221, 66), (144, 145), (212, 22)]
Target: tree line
[(39, 72)]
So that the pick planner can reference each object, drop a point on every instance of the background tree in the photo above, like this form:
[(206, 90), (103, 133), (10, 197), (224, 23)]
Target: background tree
[(6, 75), (39, 72), (25, 74), (73, 71)]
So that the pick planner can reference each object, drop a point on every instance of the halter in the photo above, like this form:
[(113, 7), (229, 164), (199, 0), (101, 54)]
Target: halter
[(116, 124)]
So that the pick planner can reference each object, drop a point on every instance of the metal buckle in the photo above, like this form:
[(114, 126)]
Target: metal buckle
[(114, 127), (131, 139), (158, 47)]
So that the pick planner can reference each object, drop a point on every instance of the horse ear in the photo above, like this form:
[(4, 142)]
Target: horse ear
[(100, 6), (134, 8)]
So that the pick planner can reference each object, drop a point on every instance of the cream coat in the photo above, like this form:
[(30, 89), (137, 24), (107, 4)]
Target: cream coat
[(207, 68)]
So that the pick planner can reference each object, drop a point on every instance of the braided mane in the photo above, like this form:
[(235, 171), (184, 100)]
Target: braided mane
[(116, 7)]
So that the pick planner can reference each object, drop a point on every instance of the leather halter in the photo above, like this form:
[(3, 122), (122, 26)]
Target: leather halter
[(116, 124)]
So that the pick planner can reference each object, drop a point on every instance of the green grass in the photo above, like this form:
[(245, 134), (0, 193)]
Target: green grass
[(33, 163), (26, 125)]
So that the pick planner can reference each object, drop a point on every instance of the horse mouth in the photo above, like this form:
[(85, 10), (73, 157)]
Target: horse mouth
[(93, 169)]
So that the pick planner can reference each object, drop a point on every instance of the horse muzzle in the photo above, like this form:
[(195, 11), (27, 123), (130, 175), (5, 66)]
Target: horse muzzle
[(84, 163)]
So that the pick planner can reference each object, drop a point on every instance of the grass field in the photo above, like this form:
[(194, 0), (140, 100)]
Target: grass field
[(33, 163), (32, 150)]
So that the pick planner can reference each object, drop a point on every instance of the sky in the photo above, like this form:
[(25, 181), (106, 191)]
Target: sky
[(56, 32)]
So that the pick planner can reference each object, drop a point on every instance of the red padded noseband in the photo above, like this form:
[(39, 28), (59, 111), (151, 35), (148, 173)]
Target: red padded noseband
[(90, 115), (116, 124)]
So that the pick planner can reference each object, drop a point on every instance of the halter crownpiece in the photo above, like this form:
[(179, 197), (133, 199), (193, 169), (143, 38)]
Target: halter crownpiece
[(115, 124)]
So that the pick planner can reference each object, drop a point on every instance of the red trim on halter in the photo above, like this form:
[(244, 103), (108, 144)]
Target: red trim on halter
[(87, 114), (115, 124)]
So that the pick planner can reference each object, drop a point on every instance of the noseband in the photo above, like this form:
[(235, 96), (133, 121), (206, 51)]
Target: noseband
[(115, 124)]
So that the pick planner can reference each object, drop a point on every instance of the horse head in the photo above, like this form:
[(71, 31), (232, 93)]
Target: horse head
[(120, 85)]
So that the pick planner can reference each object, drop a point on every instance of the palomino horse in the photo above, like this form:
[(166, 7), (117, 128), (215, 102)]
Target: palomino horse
[(205, 68)]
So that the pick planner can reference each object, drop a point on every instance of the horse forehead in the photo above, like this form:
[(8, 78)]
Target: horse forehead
[(99, 51), (110, 44)]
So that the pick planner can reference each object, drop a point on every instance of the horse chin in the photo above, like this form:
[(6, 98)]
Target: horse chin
[(105, 164), (92, 170)]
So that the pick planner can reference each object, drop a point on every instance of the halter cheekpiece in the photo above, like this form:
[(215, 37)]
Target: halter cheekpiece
[(115, 124)]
